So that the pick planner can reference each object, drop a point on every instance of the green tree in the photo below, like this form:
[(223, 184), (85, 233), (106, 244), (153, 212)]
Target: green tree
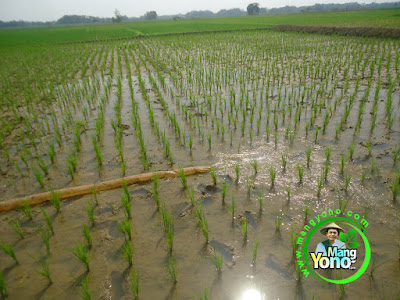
[(117, 17), (253, 9), (150, 15)]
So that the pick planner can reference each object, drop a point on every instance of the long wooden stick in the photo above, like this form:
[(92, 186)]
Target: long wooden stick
[(102, 186)]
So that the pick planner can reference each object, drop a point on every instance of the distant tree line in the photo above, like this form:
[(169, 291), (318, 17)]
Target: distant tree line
[(252, 9)]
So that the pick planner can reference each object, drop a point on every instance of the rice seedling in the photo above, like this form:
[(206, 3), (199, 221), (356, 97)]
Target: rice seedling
[(254, 164), (293, 241), (44, 269), (155, 191), (183, 178), (352, 148), (204, 296), (48, 220), (43, 166), (94, 192), (170, 232), (288, 191), (9, 250), (342, 203), (284, 161), (191, 195), (237, 172), (87, 236), (341, 286), (374, 265), (127, 252), (126, 205), (3, 289), (395, 188), (209, 141), (249, 184), (15, 225), (278, 222), (46, 239), (213, 176), (328, 151), (26, 210), (126, 229), (224, 190), (204, 227), (39, 177), (347, 180), (245, 227), (300, 170), (255, 251), (81, 253), (85, 292), (134, 286), (217, 260), (55, 200), (342, 163), (171, 267), (90, 212), (326, 171), (395, 156), (272, 175)]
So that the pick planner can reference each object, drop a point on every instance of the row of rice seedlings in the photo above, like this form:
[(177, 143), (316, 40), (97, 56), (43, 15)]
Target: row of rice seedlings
[(9, 250)]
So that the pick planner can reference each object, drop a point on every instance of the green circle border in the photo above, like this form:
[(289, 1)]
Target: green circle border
[(367, 252)]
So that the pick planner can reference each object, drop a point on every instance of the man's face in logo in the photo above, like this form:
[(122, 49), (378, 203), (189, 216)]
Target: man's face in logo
[(332, 235)]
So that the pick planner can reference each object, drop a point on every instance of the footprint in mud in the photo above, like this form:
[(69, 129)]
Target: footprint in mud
[(141, 193), (227, 251), (208, 189), (228, 178), (273, 263), (181, 209), (117, 290), (251, 217)]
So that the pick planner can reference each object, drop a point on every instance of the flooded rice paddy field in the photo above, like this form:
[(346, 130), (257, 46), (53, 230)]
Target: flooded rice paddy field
[(293, 125)]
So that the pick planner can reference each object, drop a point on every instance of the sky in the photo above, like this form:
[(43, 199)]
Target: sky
[(52, 10)]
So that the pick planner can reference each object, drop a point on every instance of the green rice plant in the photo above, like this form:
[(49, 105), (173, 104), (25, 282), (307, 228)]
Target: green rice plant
[(72, 161), (395, 188), (342, 203), (98, 153), (44, 270), (288, 191), (352, 148), (204, 296), (328, 151), (155, 191), (284, 161), (395, 156), (249, 184), (126, 205), (217, 260), (39, 176), (183, 178), (9, 250), (3, 289), (293, 241), (126, 190), (204, 227), (374, 265), (170, 232), (233, 207), (347, 180), (342, 163), (300, 170), (134, 286), (15, 225), (126, 228), (90, 212), (127, 252), (224, 190), (341, 286), (209, 141), (255, 251), (260, 199), (46, 239), (245, 227), (237, 172), (43, 166), (278, 222), (272, 175), (326, 171), (316, 134), (191, 195), (254, 164), (171, 267), (85, 292), (55, 200), (48, 220), (26, 210), (87, 236), (213, 176), (306, 211), (18, 169), (81, 253), (320, 185), (94, 192)]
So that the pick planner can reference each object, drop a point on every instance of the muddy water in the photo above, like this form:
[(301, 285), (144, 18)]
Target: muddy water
[(273, 275)]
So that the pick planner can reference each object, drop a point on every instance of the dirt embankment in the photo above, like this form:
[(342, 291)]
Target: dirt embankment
[(358, 31)]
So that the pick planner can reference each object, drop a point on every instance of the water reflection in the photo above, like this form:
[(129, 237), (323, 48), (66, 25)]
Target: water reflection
[(251, 294)]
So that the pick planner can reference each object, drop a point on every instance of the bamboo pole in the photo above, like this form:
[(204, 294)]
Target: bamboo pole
[(102, 186)]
